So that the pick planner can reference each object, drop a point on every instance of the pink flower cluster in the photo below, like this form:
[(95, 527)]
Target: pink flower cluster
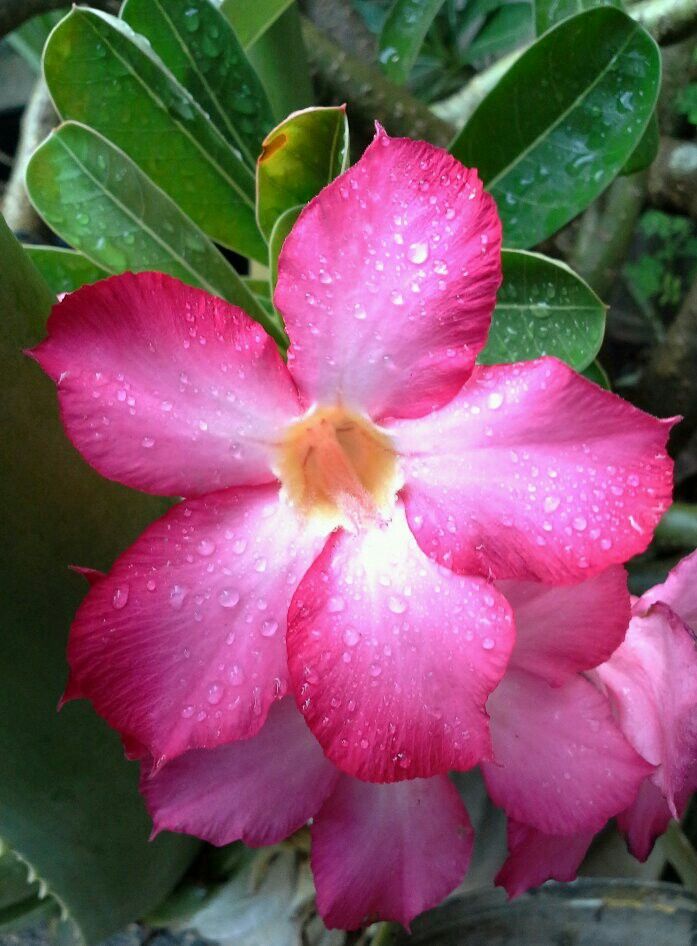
[(390, 562)]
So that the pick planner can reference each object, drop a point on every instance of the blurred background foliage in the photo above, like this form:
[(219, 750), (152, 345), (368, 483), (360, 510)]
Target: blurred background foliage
[(475, 75)]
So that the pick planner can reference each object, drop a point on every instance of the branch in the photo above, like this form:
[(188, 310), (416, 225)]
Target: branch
[(342, 78), (344, 25), (668, 21), (669, 383), (673, 176)]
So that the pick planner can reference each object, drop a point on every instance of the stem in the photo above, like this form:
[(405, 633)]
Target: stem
[(384, 935), (680, 853), (673, 176), (604, 237), (342, 78), (678, 527)]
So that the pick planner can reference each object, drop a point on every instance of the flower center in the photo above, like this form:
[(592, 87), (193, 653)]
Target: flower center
[(337, 465)]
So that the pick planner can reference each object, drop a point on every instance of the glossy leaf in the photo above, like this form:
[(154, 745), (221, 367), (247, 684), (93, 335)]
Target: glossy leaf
[(597, 374), (563, 121), (645, 152), (276, 50), (543, 308), (550, 12), (510, 26), (29, 39), (402, 35), (280, 231), (64, 270), (93, 196), (589, 912), (300, 157), (252, 20), (99, 72), (69, 805), (200, 48)]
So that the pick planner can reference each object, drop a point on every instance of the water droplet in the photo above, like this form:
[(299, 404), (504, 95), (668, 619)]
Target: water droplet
[(215, 693), (495, 400), (351, 636), (418, 253), (488, 643), (335, 604), (228, 597), (148, 442), (206, 547), (396, 605), (269, 628), (120, 598), (176, 596)]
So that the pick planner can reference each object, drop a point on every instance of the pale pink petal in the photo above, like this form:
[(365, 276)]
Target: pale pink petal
[(165, 387), (258, 790), (182, 644), (678, 591), (564, 629), (388, 280), (388, 852), (392, 657), (561, 763), (652, 682), (534, 857), (645, 820), (534, 472)]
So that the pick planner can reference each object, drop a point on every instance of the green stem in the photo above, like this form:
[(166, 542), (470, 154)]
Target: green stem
[(384, 935)]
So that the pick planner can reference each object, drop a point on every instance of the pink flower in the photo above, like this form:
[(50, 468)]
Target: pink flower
[(649, 683), (344, 515)]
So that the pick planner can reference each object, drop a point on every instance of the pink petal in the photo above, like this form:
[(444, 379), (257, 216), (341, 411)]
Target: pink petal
[(392, 657), (561, 630), (259, 790), (534, 472), (645, 820), (561, 764), (182, 645), (164, 387), (388, 280), (534, 857), (678, 591), (652, 682), (388, 851)]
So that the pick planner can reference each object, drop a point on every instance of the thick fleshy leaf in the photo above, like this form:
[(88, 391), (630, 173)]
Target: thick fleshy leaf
[(271, 35), (543, 308), (388, 280), (64, 270), (64, 777), (299, 157), (678, 591), (562, 630), (652, 682), (259, 790), (533, 472), (166, 388), (281, 229), (388, 851), (181, 646), (392, 657), (197, 43), (561, 763), (534, 857), (509, 26), (402, 35), (76, 176), (550, 12), (136, 102), (646, 150), (547, 143), (645, 820)]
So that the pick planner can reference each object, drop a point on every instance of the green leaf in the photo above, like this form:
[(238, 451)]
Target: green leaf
[(510, 26), (562, 121), (29, 40), (543, 308), (645, 152), (99, 72), (92, 195), (550, 12), (300, 157), (403, 34), (276, 50), (69, 805), (64, 270), (597, 374), (200, 48), (252, 20), (281, 229), (589, 912)]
